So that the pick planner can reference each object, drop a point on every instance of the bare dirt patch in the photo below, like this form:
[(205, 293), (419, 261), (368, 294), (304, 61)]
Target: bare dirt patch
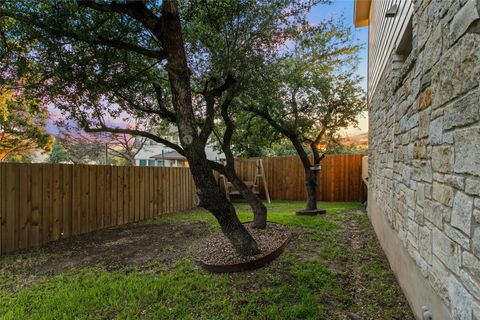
[(218, 250), (365, 272), (115, 248)]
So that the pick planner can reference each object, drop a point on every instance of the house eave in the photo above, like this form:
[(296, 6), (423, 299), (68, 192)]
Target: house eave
[(361, 13)]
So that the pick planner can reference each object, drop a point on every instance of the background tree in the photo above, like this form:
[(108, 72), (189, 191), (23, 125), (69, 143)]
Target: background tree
[(313, 94), (102, 147), (22, 125), (58, 154), (125, 147), (83, 148)]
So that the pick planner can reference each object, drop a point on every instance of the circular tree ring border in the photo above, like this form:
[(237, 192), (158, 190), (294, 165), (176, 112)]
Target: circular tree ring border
[(248, 265), (306, 212)]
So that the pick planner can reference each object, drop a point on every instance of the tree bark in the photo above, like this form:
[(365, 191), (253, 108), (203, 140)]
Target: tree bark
[(311, 183), (311, 175), (209, 193), (259, 209)]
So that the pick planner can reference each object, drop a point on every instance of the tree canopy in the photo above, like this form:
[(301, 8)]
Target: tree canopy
[(22, 124), (313, 94)]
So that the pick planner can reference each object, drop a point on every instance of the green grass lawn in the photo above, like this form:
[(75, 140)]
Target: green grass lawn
[(332, 269)]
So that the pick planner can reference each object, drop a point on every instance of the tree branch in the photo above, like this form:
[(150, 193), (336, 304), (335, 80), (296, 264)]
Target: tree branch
[(135, 132), (266, 116), (163, 111), (210, 96), (134, 8), (98, 40), (230, 126)]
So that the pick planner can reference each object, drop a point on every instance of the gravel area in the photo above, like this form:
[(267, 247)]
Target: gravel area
[(217, 250)]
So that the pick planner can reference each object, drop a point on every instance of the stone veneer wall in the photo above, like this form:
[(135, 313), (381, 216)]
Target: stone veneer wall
[(424, 159)]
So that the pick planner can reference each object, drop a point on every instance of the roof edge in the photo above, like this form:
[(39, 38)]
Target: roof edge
[(361, 13)]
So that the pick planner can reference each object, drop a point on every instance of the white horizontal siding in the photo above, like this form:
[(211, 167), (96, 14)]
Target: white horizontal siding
[(384, 35)]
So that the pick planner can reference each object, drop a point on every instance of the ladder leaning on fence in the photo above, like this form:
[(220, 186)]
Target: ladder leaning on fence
[(254, 184)]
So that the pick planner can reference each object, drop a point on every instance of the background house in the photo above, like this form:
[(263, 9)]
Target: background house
[(424, 148), (156, 154)]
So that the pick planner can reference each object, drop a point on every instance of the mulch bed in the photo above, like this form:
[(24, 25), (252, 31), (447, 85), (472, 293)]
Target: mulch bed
[(218, 254)]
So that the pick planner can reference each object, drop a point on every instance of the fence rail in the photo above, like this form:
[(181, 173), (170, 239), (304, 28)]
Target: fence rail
[(340, 177), (44, 202)]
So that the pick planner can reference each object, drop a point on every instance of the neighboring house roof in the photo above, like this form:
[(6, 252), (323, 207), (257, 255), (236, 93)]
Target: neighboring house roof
[(153, 150), (172, 155), (362, 13)]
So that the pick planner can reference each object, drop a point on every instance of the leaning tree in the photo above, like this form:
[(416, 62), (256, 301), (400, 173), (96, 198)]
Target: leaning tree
[(312, 95), (103, 60)]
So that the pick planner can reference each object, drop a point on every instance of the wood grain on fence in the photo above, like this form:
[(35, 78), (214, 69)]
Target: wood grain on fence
[(340, 177), (45, 202)]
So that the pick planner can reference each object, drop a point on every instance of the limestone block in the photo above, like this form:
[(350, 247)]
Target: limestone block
[(471, 264), (462, 212), (476, 215), (442, 159), (442, 193), (448, 80), (433, 215), (455, 181), (419, 150), (433, 48), (413, 229), (448, 137), (424, 123), (410, 198), (424, 99), (422, 264), (471, 284), (467, 15), (435, 133), (463, 112), (420, 194), (425, 243), (476, 311), (472, 186), (467, 151), (457, 236), (438, 279), (447, 251), (428, 191), (422, 171), (461, 300), (476, 242)]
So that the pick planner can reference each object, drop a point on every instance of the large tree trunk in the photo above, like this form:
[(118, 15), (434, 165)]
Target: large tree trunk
[(311, 182), (259, 209), (311, 172), (215, 201), (211, 197)]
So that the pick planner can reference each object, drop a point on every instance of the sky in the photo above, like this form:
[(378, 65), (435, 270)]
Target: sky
[(344, 8)]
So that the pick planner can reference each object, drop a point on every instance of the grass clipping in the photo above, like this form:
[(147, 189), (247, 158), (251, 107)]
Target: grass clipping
[(218, 250)]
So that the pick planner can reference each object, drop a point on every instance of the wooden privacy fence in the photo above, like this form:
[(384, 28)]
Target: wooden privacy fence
[(44, 202), (340, 178)]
